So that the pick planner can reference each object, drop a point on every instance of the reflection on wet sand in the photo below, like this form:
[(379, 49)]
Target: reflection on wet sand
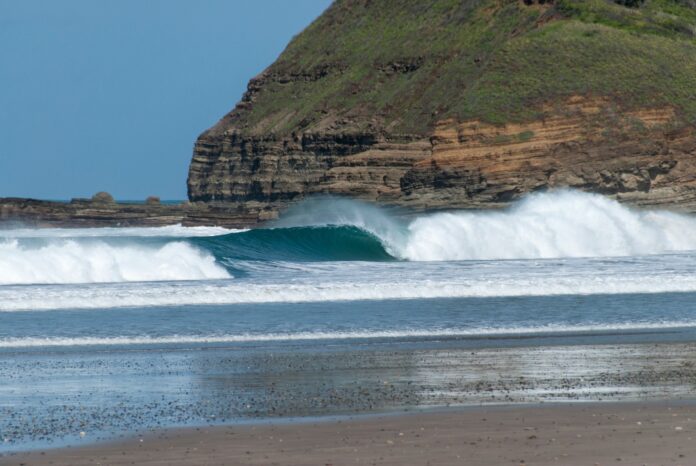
[(122, 391)]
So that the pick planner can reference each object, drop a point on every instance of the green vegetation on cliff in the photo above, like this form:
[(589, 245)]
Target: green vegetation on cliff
[(401, 65)]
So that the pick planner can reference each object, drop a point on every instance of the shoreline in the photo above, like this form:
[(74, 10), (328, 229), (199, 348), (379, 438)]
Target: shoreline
[(569, 433), (109, 394)]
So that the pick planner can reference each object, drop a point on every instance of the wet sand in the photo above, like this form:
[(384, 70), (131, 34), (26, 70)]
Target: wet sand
[(47, 399), (553, 434)]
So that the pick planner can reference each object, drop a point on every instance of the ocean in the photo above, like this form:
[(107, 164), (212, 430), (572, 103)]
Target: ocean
[(338, 307)]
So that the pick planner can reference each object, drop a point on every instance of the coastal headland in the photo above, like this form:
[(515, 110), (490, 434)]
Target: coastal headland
[(446, 105)]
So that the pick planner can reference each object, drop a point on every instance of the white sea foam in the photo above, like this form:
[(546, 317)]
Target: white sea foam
[(563, 223), (547, 225), (29, 342), (559, 224), (173, 231), (444, 283), (95, 261)]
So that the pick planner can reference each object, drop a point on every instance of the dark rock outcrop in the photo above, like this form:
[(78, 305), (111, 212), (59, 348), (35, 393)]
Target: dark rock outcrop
[(103, 197), (88, 213)]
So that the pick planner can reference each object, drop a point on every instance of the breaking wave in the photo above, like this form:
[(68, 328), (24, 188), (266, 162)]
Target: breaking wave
[(31, 342), (541, 226), (561, 224), (550, 225), (300, 244), (73, 261)]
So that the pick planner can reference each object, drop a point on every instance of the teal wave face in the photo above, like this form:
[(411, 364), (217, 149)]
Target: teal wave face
[(300, 244), (561, 224)]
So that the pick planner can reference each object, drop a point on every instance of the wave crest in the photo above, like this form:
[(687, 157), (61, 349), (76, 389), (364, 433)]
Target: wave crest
[(74, 261), (558, 224), (549, 225), (561, 224)]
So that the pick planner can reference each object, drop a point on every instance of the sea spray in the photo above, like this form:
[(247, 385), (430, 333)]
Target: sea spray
[(384, 223), (556, 224), (550, 225)]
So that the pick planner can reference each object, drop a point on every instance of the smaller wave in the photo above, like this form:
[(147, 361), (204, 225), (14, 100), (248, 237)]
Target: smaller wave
[(72, 261), (31, 342), (46, 298)]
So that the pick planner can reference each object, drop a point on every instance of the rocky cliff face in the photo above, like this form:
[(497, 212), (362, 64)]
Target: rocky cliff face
[(465, 104), (636, 156)]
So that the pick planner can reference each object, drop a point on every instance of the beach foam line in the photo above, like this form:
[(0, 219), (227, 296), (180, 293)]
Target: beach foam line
[(46, 298), (31, 342)]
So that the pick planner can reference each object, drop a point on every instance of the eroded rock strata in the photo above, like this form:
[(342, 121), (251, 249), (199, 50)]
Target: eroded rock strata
[(640, 157), (472, 108)]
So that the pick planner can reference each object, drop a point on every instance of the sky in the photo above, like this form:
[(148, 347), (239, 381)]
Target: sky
[(102, 95)]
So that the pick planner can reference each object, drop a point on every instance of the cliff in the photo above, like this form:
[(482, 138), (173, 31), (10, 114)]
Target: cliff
[(467, 104)]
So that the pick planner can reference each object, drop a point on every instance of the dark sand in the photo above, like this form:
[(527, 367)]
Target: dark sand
[(561, 434)]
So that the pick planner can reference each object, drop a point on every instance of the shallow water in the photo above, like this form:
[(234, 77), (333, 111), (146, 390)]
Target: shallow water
[(340, 307)]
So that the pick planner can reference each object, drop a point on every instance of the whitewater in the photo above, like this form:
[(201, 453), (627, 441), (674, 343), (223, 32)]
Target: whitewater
[(564, 224), (340, 269)]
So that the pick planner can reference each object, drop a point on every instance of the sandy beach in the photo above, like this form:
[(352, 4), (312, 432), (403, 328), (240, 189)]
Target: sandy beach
[(554, 434)]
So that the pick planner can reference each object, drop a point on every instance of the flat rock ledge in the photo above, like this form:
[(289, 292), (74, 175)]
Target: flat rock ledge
[(87, 213)]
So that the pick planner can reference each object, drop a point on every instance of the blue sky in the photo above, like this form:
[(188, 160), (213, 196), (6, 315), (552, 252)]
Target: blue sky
[(111, 95)]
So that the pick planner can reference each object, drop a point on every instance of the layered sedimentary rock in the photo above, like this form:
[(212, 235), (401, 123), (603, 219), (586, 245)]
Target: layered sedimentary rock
[(636, 156), (467, 104)]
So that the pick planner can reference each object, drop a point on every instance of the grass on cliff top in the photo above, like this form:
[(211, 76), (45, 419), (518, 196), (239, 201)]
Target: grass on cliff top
[(637, 71), (669, 18), (401, 65)]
